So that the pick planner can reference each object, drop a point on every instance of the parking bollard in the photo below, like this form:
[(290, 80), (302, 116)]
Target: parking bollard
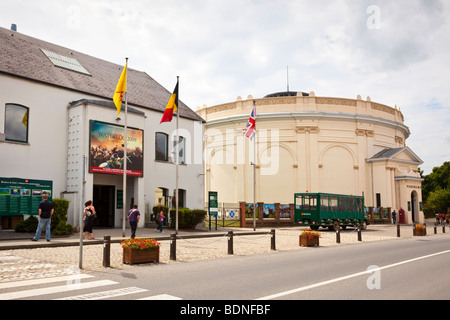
[(173, 246), (106, 251), (443, 228), (338, 236), (359, 233), (435, 229), (272, 239), (398, 231), (230, 242)]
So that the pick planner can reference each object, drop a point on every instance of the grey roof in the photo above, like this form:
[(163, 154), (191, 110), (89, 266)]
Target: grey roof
[(22, 56), (387, 153), (390, 153), (107, 104)]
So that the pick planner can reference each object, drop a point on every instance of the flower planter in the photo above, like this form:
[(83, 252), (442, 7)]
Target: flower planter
[(305, 241), (133, 256), (419, 231)]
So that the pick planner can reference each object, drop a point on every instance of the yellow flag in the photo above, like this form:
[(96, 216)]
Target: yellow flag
[(25, 119), (120, 90)]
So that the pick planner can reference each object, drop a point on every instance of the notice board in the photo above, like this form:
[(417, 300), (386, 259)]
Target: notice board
[(20, 197)]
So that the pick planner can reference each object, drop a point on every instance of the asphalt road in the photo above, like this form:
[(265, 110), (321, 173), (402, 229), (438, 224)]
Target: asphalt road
[(415, 268)]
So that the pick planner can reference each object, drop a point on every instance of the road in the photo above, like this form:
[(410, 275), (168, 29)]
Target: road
[(408, 269)]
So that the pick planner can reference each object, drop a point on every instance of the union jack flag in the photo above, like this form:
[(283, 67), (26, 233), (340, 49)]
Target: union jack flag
[(250, 128)]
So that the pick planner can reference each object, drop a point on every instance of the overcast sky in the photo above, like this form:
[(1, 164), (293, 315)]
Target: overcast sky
[(395, 51)]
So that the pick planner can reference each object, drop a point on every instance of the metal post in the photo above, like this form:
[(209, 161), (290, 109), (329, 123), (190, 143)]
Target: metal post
[(414, 229), (230, 242), (398, 231), (425, 225), (173, 246), (443, 228), (106, 251), (272, 239), (338, 236), (435, 229), (359, 233)]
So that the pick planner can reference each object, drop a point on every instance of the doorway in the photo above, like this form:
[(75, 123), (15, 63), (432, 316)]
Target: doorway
[(104, 206), (414, 205)]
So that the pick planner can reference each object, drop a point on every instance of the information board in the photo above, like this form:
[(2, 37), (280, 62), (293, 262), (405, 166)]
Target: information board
[(20, 197)]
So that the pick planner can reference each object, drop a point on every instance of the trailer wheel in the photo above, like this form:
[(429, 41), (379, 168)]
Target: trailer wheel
[(364, 225), (336, 225), (314, 228)]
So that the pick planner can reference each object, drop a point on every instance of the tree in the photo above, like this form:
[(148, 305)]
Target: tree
[(436, 190)]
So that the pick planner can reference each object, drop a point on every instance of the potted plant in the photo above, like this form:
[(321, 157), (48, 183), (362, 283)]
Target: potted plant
[(140, 250), (420, 230), (309, 238)]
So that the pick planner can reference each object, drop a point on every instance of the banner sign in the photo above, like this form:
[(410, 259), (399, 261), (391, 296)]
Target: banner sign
[(106, 149), (20, 197)]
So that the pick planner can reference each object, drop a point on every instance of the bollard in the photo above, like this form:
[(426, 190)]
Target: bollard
[(425, 225), (435, 229), (359, 233), (338, 235), (414, 229), (398, 231), (230, 242), (106, 251), (443, 228), (272, 239), (173, 246)]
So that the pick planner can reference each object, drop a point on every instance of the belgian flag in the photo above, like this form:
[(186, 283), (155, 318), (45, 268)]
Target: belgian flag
[(172, 106)]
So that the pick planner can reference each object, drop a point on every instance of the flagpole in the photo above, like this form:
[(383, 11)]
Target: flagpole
[(254, 174), (125, 138), (177, 158)]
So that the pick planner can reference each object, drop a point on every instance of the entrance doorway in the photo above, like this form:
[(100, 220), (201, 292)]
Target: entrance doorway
[(414, 205), (104, 206)]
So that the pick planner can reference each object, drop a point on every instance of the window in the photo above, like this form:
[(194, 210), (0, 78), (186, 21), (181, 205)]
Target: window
[(342, 204), (16, 123), (181, 157), (161, 147)]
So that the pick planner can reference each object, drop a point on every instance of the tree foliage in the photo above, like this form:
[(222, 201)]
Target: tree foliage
[(436, 190)]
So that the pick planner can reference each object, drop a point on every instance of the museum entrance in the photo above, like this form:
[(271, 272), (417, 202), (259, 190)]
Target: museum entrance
[(103, 199)]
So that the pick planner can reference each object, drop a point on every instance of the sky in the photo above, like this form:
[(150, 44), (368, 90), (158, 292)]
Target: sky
[(397, 52)]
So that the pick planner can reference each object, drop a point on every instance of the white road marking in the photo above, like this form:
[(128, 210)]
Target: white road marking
[(52, 290), (288, 292)]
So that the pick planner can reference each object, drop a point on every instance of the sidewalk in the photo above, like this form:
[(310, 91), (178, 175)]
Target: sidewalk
[(10, 240)]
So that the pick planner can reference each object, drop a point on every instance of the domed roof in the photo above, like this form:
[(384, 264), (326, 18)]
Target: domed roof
[(286, 94)]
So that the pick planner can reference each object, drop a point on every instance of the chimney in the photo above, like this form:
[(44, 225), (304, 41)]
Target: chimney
[(14, 27)]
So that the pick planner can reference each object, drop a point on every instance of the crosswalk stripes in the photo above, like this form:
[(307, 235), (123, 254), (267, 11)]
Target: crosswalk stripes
[(72, 284)]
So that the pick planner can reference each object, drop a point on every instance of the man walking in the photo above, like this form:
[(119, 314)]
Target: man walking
[(45, 217), (133, 218)]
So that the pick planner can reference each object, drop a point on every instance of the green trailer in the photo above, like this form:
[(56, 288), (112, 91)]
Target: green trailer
[(329, 210)]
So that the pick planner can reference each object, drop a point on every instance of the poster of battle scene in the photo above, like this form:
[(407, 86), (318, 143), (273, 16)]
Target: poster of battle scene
[(106, 149)]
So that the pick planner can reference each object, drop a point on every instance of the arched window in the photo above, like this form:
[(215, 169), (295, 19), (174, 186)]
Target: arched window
[(161, 146), (16, 123)]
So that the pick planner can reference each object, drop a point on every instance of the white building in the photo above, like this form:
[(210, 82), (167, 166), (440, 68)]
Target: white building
[(309, 143), (53, 99)]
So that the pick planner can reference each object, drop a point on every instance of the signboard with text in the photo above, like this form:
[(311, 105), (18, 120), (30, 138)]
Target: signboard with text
[(20, 197)]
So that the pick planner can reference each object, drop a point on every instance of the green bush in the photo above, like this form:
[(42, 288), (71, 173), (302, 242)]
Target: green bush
[(187, 218), (59, 223), (28, 225)]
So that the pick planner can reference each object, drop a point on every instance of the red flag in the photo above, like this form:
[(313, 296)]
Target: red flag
[(171, 106), (250, 128)]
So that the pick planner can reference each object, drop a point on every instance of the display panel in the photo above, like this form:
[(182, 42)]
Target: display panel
[(106, 149), (20, 197)]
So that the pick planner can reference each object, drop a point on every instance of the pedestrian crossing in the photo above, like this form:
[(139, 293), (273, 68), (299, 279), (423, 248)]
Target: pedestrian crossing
[(71, 287)]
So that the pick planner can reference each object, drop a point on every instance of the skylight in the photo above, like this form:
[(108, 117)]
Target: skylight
[(65, 62)]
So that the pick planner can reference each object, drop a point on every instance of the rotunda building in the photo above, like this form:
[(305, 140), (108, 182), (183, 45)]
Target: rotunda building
[(307, 143)]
